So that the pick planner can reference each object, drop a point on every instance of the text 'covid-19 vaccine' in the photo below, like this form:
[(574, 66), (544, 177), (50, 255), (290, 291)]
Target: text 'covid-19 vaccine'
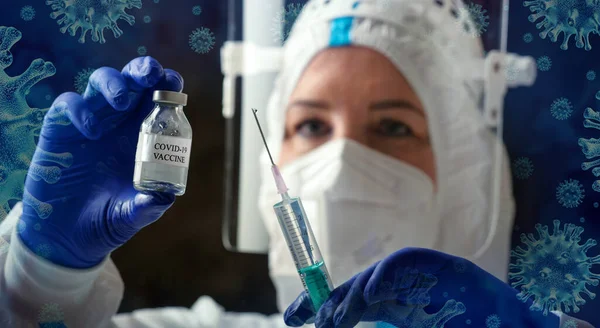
[(164, 146)]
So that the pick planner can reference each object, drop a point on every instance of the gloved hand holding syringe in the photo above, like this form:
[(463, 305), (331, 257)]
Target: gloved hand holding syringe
[(300, 239)]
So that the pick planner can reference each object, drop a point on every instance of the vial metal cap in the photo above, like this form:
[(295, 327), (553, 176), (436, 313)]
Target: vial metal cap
[(170, 97)]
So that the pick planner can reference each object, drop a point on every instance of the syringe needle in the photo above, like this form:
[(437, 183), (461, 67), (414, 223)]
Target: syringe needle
[(262, 135), (281, 187)]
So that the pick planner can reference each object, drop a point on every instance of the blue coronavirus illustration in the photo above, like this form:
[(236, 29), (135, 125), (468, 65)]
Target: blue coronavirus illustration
[(51, 316), (202, 40), (147, 19), (522, 168), (554, 269), (544, 63), (411, 312), (561, 109), (196, 10), (27, 13), (590, 75), (142, 51), (598, 95), (492, 321), (570, 193), (569, 323), (19, 126), (460, 265), (417, 317), (478, 16), (43, 250), (42, 209), (21, 226), (92, 16), (527, 37), (578, 18), (284, 21), (80, 81), (591, 147)]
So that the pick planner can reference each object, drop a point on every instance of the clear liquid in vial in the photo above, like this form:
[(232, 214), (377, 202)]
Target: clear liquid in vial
[(164, 147)]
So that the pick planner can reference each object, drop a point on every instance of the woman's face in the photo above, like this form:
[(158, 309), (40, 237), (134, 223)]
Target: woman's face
[(357, 93)]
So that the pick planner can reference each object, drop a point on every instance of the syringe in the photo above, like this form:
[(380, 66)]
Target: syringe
[(300, 239)]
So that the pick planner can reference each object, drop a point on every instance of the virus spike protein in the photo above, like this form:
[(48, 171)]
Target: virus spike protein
[(571, 18), (19, 125), (590, 147), (92, 16)]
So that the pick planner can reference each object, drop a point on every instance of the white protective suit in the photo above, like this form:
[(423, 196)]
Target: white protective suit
[(425, 43)]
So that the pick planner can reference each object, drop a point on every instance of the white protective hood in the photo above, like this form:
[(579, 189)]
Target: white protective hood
[(430, 48)]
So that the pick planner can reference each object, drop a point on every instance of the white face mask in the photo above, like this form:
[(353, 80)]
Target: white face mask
[(362, 206)]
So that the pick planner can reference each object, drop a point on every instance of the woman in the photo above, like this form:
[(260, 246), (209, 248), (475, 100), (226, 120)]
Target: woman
[(372, 125)]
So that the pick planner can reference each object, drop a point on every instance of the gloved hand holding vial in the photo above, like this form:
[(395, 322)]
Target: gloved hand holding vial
[(91, 208), (300, 239), (164, 146)]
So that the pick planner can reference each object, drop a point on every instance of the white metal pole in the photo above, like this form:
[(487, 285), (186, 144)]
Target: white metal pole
[(258, 20)]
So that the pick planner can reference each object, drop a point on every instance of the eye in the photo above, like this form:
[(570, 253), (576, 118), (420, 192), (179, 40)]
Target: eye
[(312, 128), (393, 128)]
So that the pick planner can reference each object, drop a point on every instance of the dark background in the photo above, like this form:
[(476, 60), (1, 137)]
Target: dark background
[(552, 146), (180, 257)]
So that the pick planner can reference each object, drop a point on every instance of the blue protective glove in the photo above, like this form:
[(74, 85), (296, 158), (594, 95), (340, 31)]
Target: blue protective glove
[(79, 203), (417, 287)]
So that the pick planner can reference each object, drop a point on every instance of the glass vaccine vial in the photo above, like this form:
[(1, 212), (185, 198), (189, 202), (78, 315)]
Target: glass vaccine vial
[(163, 151)]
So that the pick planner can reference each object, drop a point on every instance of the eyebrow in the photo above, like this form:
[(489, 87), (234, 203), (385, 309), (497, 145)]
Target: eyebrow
[(380, 105), (395, 104), (309, 104)]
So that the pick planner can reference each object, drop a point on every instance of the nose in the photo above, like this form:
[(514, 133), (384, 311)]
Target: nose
[(351, 127)]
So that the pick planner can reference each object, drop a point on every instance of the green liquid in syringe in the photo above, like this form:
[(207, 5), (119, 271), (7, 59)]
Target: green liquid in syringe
[(316, 283)]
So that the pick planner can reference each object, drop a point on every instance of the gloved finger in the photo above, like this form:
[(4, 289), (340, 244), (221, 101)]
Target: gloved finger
[(142, 73), (130, 215), (324, 317), (351, 309), (392, 283), (149, 207), (68, 117), (398, 279), (106, 86), (171, 81), (300, 311)]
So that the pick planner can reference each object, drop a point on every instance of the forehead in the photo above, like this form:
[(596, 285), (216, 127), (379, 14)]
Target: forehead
[(352, 58), (352, 70)]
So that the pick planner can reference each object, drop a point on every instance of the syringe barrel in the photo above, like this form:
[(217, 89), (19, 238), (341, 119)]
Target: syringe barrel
[(304, 249), (298, 233)]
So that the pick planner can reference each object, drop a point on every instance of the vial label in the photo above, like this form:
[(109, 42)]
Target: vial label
[(168, 150)]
